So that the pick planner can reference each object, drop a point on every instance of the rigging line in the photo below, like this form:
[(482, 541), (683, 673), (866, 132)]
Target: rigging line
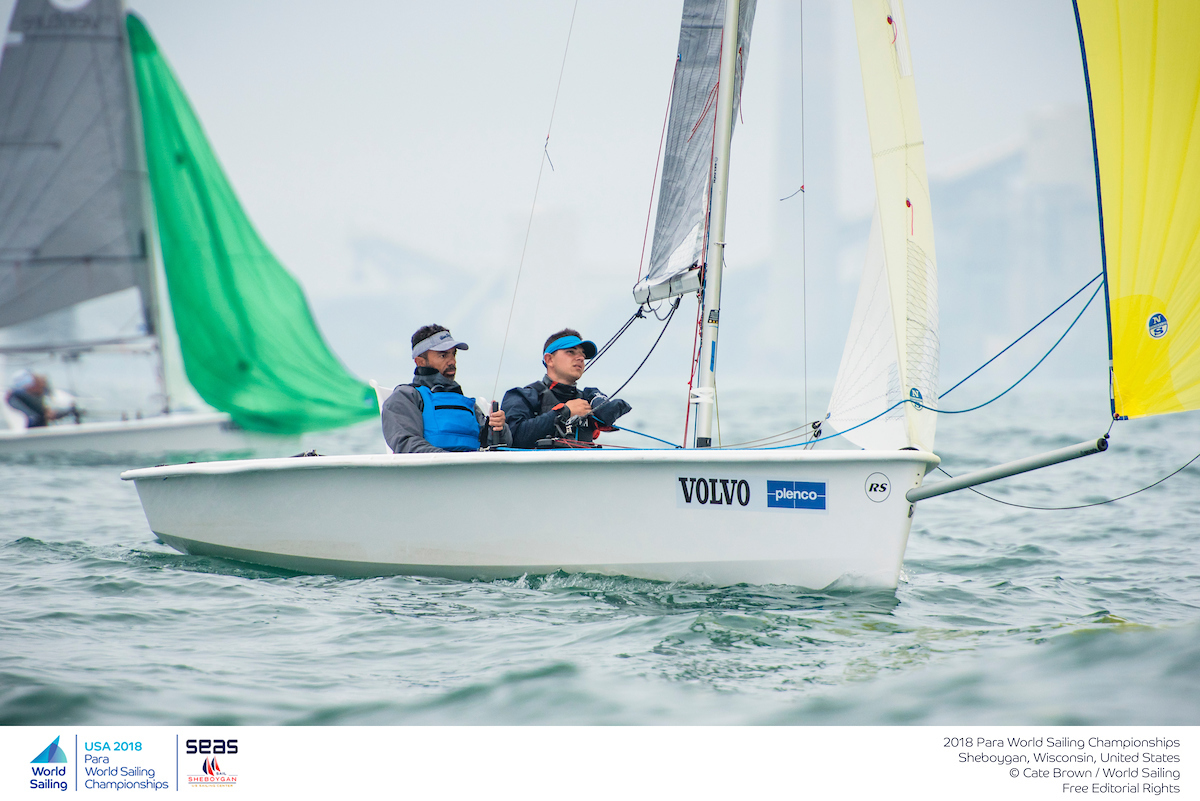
[(803, 224), (1027, 333), (652, 347), (533, 206), (1083, 505), (612, 340), (647, 436), (657, 163), (1031, 369), (920, 405)]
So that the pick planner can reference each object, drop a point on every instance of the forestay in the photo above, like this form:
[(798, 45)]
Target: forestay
[(250, 346), (1143, 69), (681, 225), (71, 218), (891, 355)]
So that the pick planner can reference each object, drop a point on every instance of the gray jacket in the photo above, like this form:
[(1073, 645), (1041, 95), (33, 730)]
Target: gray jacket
[(403, 414)]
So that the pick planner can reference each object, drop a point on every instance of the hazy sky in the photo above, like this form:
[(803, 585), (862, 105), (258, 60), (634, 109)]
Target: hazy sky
[(423, 123)]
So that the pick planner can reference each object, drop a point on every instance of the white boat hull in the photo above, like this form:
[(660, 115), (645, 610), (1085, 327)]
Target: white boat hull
[(173, 433), (505, 514)]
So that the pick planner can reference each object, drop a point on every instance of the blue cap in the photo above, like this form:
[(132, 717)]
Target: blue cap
[(562, 343)]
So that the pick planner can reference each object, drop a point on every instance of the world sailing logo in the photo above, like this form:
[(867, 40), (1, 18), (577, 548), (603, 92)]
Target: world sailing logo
[(52, 753), (44, 778), (1157, 326)]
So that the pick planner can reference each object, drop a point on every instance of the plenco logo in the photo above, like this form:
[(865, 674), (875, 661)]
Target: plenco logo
[(795, 494), (715, 491)]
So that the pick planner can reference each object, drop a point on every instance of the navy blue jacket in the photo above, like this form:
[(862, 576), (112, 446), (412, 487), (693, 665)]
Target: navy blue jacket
[(531, 419)]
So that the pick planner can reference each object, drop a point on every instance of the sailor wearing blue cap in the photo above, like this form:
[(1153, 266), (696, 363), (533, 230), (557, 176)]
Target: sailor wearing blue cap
[(431, 414), (553, 411)]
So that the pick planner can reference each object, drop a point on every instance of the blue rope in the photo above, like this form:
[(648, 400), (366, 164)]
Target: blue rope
[(950, 411), (647, 436), (944, 394), (1018, 339)]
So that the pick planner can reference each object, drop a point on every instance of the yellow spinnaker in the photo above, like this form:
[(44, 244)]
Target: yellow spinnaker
[(1143, 64)]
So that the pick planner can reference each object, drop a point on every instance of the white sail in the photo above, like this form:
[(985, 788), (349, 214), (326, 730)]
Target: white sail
[(872, 380), (681, 225), (863, 404)]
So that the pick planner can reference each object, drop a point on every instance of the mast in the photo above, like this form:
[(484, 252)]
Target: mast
[(705, 395), (151, 305)]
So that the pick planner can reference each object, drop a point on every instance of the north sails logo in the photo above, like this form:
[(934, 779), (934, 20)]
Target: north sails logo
[(1156, 326), (715, 491)]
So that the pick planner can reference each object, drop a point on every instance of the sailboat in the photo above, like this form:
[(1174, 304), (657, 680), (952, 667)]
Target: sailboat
[(108, 185), (788, 516), (806, 517)]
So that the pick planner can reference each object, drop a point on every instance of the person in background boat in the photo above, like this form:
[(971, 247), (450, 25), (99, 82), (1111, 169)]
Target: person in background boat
[(553, 409), (27, 394), (430, 415)]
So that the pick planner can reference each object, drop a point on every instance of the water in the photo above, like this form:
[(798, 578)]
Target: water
[(1003, 615)]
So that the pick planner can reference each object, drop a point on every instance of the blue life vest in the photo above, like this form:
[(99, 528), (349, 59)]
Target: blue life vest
[(449, 420)]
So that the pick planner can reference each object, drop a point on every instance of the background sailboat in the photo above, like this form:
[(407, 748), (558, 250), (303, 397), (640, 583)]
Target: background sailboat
[(110, 185)]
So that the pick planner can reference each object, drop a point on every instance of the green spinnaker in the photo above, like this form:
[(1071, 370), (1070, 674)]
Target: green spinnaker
[(250, 345)]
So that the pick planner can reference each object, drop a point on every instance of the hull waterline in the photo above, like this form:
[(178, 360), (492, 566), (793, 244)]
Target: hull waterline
[(809, 518)]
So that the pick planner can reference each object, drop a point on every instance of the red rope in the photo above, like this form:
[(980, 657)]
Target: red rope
[(712, 93), (742, 85), (695, 363), (657, 164)]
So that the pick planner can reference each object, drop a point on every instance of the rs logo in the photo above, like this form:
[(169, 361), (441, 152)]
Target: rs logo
[(878, 487)]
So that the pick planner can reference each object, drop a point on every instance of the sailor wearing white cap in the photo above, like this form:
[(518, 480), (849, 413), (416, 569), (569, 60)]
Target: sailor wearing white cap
[(431, 414)]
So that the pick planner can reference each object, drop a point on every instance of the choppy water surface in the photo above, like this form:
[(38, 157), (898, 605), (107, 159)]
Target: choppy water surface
[(1003, 615)]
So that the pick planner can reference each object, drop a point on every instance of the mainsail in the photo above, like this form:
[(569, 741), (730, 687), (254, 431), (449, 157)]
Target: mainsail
[(1143, 71), (891, 356), (250, 345), (71, 215), (681, 225)]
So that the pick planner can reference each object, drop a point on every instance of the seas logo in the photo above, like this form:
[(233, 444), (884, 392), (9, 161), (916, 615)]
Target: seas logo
[(210, 774), (795, 494), (1157, 326), (47, 778)]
